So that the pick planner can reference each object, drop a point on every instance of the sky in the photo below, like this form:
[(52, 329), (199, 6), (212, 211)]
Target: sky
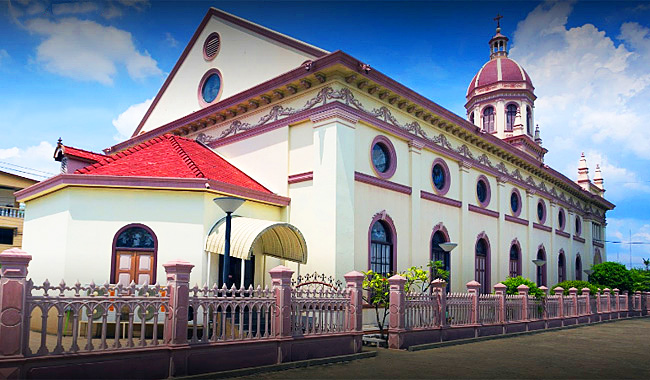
[(86, 71)]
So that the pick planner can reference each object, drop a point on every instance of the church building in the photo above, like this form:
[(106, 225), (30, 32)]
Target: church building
[(342, 168)]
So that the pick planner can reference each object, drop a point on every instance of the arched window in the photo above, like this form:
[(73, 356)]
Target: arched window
[(529, 121), (561, 267), (541, 270), (471, 117), (135, 250), (488, 119), (515, 261), (381, 248), (511, 112), (439, 254), (482, 263), (578, 268)]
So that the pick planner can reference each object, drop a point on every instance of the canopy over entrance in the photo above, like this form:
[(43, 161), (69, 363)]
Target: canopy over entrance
[(249, 236)]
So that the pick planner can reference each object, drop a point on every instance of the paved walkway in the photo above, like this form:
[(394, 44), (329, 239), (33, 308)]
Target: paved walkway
[(604, 351)]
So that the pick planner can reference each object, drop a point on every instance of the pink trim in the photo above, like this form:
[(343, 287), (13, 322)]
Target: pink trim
[(205, 43), (205, 77), (383, 216), (198, 184), (237, 21), (542, 227), (370, 180), (562, 233), (483, 211), (392, 156), (488, 191), (154, 250), (300, 177), (439, 199), (562, 225), (445, 169), (543, 219), (514, 219), (440, 227), (578, 239), (488, 261), (521, 205)]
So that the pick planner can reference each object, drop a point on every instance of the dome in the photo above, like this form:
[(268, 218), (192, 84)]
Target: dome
[(499, 69)]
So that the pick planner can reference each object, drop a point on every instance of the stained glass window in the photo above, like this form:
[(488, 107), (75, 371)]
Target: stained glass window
[(380, 157), (439, 176), (135, 237)]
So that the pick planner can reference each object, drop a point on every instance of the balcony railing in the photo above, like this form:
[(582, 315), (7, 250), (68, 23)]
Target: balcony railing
[(12, 212)]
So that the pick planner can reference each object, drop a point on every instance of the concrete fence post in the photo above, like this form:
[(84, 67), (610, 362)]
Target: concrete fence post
[(523, 291), (586, 293), (573, 293), (616, 299), (599, 308), (500, 291), (354, 281), (646, 301), (396, 311), (178, 281), (545, 290), (473, 289), (13, 292), (609, 304), (559, 291), (281, 280), (440, 290), (638, 302)]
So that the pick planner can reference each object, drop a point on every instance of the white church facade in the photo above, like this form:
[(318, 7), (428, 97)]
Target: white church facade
[(342, 167)]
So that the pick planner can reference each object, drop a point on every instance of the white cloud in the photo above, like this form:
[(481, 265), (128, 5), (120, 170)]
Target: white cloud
[(171, 41), (127, 121), (619, 232), (86, 50), (591, 91), (3, 56), (111, 12), (73, 8), (34, 161)]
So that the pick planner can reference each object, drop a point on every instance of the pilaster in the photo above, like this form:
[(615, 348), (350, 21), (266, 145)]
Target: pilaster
[(464, 251), (528, 269), (500, 260), (415, 156)]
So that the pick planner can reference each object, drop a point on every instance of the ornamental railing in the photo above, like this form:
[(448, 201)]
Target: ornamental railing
[(422, 310), (321, 311), (12, 212), (489, 308), (514, 308), (460, 309)]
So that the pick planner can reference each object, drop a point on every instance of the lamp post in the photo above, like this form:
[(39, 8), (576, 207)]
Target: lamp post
[(448, 247), (540, 263), (228, 205)]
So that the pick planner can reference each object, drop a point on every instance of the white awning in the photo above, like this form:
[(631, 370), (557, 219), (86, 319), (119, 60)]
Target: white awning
[(277, 239)]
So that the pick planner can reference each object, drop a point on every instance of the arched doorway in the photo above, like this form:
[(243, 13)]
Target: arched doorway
[(482, 262), (135, 249)]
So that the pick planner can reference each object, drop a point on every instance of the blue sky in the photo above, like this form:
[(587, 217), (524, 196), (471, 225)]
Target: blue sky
[(84, 71)]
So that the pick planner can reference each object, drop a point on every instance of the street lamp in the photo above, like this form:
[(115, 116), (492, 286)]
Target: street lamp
[(448, 247), (539, 262), (228, 205)]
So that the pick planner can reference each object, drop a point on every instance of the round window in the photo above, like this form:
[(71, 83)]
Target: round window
[(211, 46), (481, 191), (439, 177), (211, 87), (381, 157), (560, 218), (578, 226), (514, 202), (541, 211)]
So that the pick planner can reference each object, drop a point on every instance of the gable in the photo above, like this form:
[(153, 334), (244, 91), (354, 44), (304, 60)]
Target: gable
[(248, 54)]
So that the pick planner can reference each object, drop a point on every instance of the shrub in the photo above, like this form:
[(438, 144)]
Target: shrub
[(640, 280), (612, 275), (512, 283), (566, 285)]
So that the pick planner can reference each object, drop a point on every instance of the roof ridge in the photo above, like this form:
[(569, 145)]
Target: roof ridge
[(87, 151), (186, 158), (119, 155)]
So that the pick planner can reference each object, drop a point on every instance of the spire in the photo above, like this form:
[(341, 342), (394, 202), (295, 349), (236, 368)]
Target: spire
[(538, 139), (498, 43), (583, 172), (598, 178)]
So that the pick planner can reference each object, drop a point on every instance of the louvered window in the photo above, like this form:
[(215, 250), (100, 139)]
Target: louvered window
[(211, 46)]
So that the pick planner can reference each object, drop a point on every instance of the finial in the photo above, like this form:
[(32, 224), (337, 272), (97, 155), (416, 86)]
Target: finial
[(498, 20)]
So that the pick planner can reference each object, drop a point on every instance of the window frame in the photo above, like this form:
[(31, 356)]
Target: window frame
[(485, 285), (154, 251), (541, 219), (510, 119), (517, 272), (562, 225), (516, 192), (445, 169), (204, 78), (440, 229), (488, 125), (561, 269), (389, 226), (541, 272), (578, 267), (488, 191), (392, 164)]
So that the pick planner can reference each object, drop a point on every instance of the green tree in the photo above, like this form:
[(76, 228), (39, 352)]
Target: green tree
[(612, 275), (512, 283), (646, 263), (640, 280), (566, 285)]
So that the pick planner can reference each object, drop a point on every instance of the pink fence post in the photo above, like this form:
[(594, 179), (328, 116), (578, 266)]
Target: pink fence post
[(473, 289), (354, 282), (638, 305), (397, 309), (440, 290), (523, 291), (500, 291), (545, 290), (608, 308), (573, 293), (647, 301), (599, 308), (617, 303), (13, 286), (586, 293), (559, 291), (281, 278), (178, 281)]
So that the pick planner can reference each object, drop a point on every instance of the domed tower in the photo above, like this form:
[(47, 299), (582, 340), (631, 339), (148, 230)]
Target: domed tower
[(501, 99)]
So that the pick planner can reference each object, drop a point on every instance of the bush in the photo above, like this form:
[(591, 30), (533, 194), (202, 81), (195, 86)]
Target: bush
[(512, 283), (640, 280), (612, 275), (566, 285)]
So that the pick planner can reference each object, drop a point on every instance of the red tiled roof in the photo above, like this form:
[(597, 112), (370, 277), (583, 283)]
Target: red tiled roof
[(173, 157), (84, 154), (511, 71)]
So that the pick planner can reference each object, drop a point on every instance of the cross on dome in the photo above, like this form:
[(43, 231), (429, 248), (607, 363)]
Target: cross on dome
[(498, 19), (498, 43)]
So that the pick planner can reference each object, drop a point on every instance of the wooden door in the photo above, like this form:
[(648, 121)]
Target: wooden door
[(133, 266)]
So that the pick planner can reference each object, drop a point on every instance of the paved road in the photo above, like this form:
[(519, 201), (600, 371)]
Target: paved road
[(605, 351)]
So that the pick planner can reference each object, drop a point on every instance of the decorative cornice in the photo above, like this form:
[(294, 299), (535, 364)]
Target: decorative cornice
[(562, 233), (514, 219), (335, 113), (300, 177), (542, 227), (384, 184), (440, 199), (484, 211)]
